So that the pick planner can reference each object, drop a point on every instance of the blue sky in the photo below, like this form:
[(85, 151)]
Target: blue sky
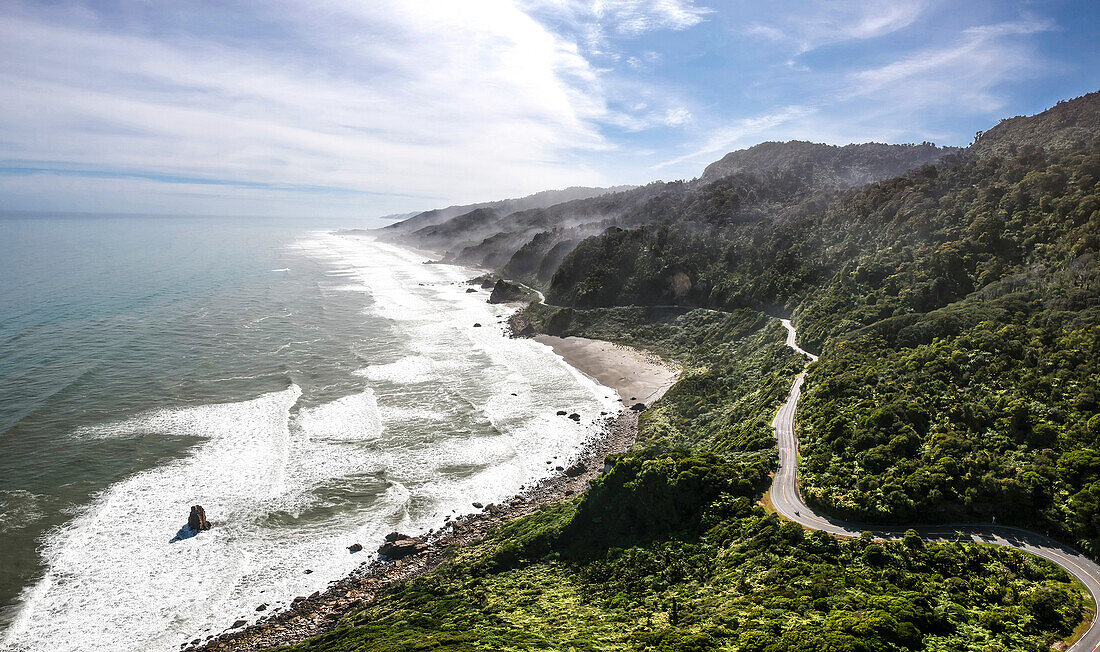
[(343, 108)]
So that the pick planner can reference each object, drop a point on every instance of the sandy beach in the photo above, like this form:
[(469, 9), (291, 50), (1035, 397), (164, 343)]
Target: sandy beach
[(637, 376)]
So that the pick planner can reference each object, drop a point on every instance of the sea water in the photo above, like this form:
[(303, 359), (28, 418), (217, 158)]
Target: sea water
[(310, 388)]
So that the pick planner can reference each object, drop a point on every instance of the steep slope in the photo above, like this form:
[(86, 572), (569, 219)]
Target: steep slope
[(1068, 125), (538, 200), (770, 181), (850, 165), (957, 310)]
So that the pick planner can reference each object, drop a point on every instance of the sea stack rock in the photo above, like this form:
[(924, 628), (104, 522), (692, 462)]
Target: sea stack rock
[(197, 520)]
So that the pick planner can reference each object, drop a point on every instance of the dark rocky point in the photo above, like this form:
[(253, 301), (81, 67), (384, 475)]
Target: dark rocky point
[(505, 292), (197, 520)]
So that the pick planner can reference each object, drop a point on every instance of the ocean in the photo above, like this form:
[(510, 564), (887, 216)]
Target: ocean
[(311, 389)]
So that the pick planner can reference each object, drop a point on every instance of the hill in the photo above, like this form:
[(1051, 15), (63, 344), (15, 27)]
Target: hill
[(1070, 124)]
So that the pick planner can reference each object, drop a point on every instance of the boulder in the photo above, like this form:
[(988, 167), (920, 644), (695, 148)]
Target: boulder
[(262, 607), (239, 623), (396, 536), (197, 520), (562, 413), (401, 548), (469, 290), (576, 470), (355, 547), (476, 325), (575, 416), (638, 407), (477, 505)]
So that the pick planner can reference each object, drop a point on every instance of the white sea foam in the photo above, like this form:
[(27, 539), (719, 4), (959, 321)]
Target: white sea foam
[(288, 484)]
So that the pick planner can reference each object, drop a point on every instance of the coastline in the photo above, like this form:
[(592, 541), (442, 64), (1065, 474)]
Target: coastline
[(637, 376)]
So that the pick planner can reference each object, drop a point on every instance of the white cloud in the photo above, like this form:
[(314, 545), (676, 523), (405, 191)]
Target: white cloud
[(635, 17), (433, 99)]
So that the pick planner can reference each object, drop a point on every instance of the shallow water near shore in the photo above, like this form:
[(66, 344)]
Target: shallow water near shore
[(310, 389)]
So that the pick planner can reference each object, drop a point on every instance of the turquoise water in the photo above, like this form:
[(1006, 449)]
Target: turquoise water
[(311, 389)]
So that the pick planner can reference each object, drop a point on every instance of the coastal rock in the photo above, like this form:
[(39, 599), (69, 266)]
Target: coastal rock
[(477, 505), (401, 548), (262, 607), (197, 520), (469, 290), (559, 468), (396, 536), (575, 416), (355, 547), (505, 292), (576, 469), (239, 623), (638, 407), (477, 325), (562, 413)]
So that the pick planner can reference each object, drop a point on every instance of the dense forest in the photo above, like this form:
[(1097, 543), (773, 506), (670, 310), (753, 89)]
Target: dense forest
[(953, 297), (957, 309)]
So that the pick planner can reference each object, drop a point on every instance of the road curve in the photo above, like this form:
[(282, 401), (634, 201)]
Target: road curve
[(787, 500)]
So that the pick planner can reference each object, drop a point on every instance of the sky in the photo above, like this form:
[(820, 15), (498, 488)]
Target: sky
[(338, 108)]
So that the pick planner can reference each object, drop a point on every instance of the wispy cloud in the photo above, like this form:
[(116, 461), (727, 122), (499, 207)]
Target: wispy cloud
[(813, 24), (740, 134), (964, 74)]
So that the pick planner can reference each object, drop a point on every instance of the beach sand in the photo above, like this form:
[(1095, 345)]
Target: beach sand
[(638, 377)]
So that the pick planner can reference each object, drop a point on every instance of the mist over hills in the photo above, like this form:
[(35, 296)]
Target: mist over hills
[(529, 238)]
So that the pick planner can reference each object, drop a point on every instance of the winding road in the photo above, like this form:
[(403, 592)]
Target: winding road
[(787, 500)]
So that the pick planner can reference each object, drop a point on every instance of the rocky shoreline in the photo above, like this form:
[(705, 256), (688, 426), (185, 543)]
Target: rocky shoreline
[(313, 615)]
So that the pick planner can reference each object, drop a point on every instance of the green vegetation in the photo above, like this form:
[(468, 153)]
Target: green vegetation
[(698, 566), (670, 551), (957, 312)]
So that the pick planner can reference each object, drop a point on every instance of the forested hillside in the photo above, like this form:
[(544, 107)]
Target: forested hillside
[(956, 308), (765, 182)]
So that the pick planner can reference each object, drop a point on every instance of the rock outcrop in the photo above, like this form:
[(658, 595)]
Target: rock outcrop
[(399, 546), (576, 469), (505, 292), (197, 520)]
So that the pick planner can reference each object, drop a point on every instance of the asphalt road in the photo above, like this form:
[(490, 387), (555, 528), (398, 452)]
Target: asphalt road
[(788, 502)]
